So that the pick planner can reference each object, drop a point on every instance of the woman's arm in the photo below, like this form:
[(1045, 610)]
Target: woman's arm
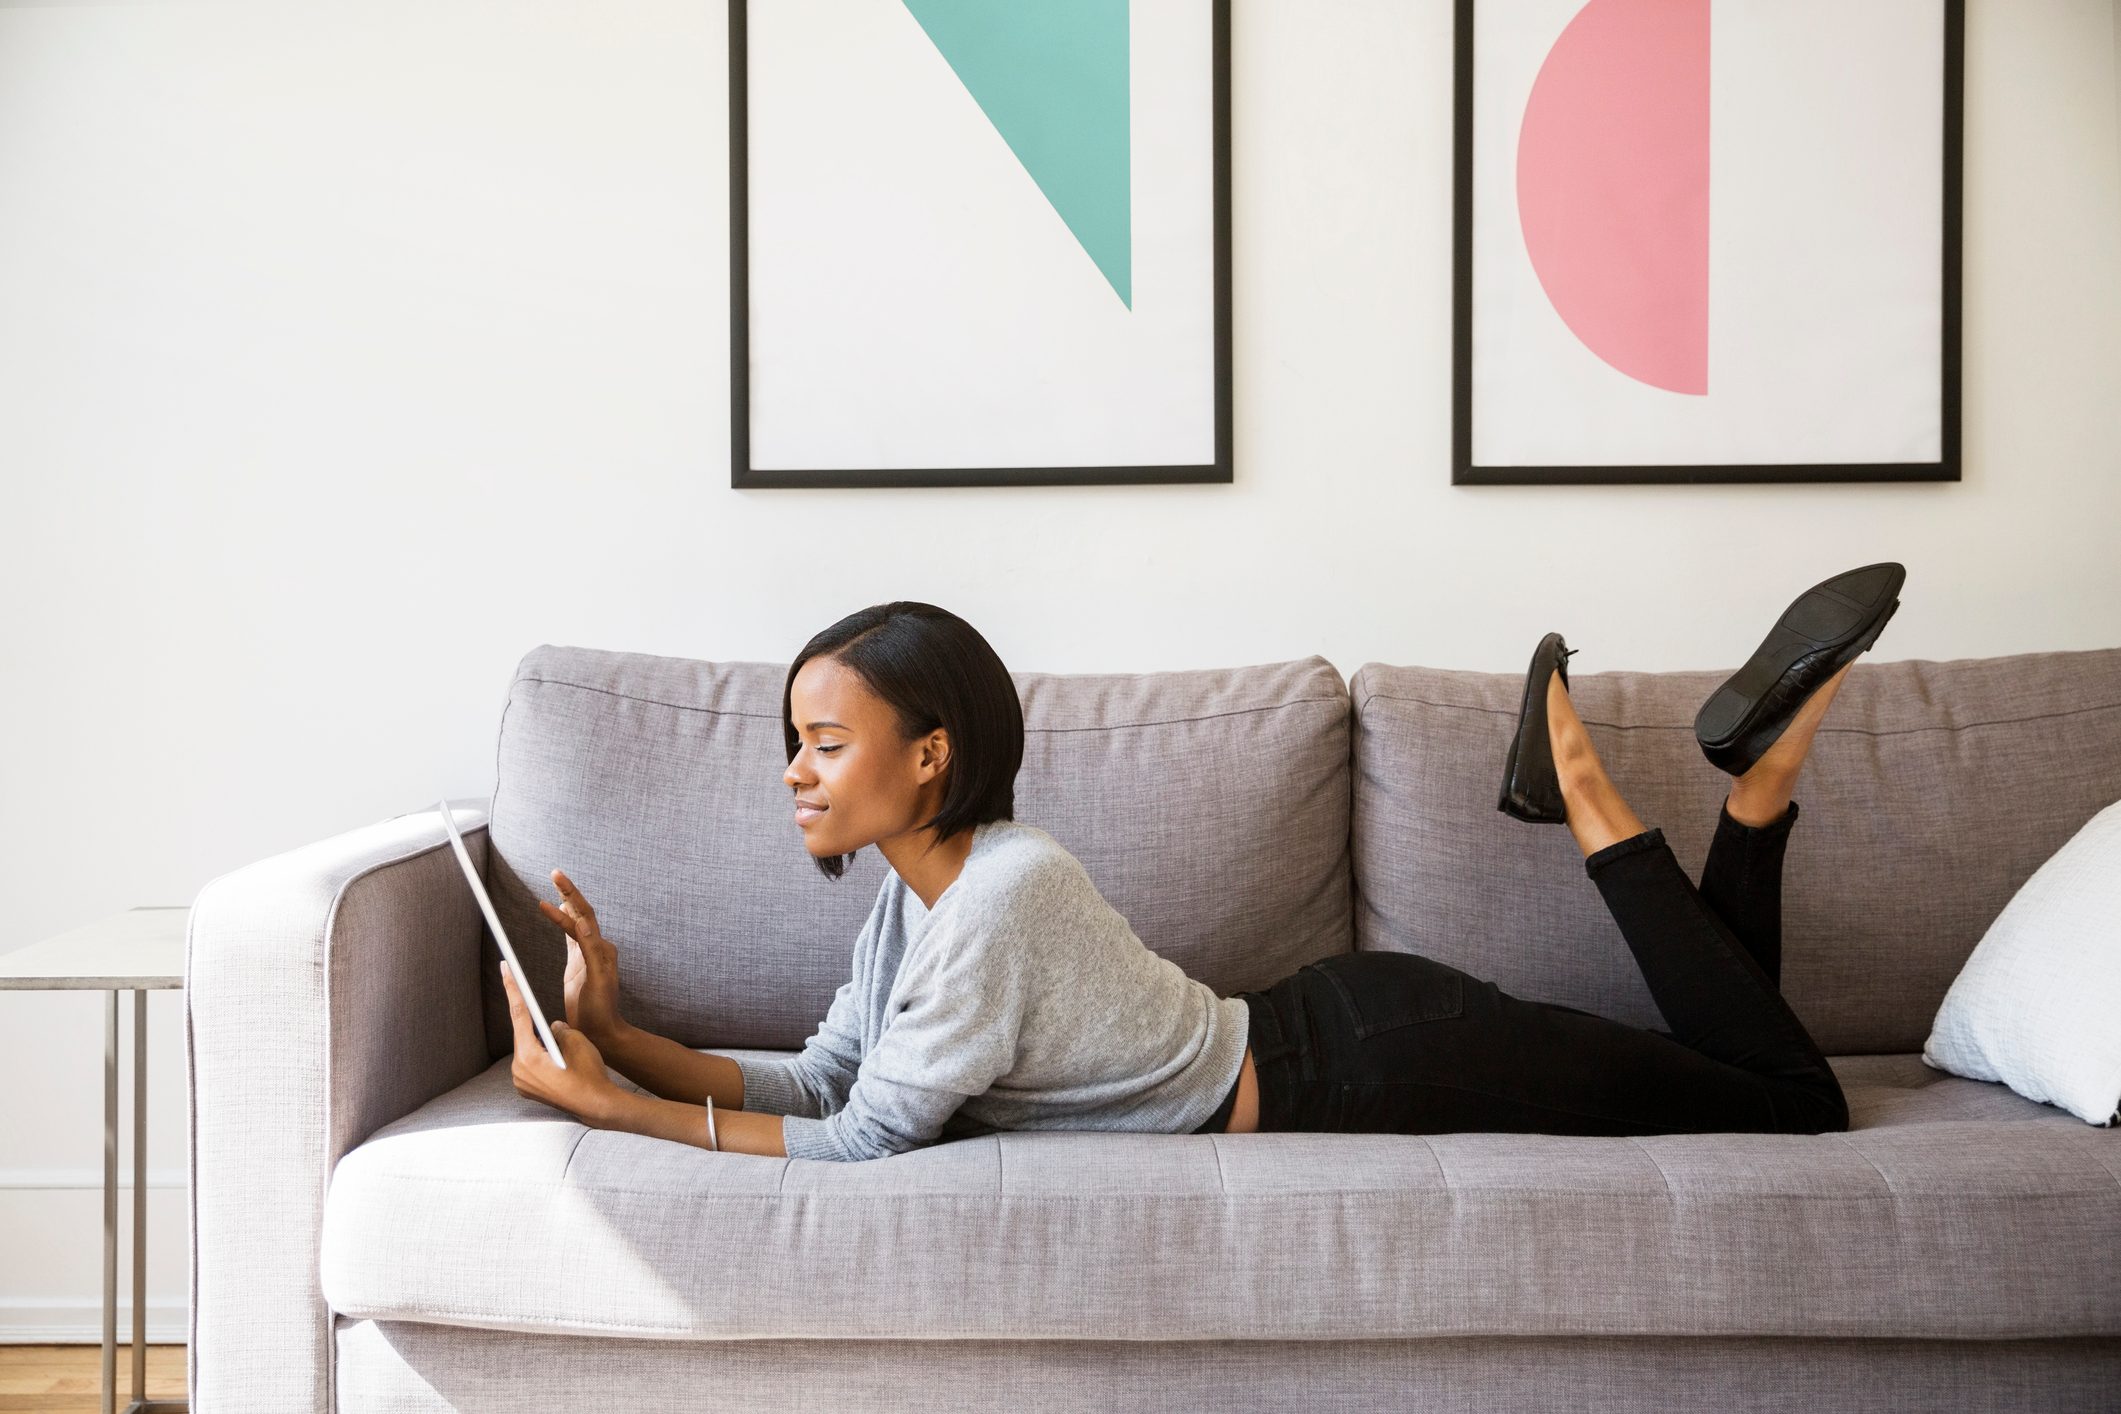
[(739, 1133), (670, 1071)]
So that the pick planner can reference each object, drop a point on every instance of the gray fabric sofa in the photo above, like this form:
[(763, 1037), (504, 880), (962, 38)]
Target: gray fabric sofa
[(381, 1223)]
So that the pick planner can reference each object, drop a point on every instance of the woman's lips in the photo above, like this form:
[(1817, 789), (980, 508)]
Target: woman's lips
[(804, 814)]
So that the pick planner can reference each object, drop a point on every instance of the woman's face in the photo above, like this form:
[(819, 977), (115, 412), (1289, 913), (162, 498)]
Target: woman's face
[(871, 785)]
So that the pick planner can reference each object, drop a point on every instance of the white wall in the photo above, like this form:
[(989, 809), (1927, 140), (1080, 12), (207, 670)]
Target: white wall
[(348, 352)]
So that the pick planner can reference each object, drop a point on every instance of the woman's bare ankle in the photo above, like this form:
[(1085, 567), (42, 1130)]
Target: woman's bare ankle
[(1597, 814), (1756, 805), (1762, 793)]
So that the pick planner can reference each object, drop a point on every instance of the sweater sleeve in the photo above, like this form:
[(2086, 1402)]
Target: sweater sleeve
[(815, 1082), (953, 1034)]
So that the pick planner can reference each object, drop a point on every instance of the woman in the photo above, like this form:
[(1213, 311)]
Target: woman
[(994, 989)]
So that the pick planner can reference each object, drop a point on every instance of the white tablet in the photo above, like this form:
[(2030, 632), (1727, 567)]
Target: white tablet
[(508, 954)]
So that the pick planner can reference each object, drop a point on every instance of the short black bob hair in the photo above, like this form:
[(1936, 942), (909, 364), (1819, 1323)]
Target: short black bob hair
[(934, 670)]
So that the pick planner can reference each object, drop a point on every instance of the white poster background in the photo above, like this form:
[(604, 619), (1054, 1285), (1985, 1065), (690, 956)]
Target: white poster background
[(915, 299), (1825, 257)]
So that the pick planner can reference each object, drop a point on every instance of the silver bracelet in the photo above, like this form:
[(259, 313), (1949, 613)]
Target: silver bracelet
[(713, 1141)]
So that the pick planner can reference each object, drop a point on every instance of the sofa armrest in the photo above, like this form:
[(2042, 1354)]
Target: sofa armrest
[(327, 991)]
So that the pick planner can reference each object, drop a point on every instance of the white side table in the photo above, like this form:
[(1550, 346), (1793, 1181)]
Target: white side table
[(139, 950)]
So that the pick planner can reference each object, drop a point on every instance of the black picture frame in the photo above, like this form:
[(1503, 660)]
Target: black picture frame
[(1465, 473), (744, 476)]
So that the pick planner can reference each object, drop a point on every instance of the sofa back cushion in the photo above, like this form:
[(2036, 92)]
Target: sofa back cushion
[(1209, 806), (1934, 790)]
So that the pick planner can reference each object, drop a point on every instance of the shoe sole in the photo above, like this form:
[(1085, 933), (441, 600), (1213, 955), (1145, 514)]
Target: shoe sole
[(1825, 619)]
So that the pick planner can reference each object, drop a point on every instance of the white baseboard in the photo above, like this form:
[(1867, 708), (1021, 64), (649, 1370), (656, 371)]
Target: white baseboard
[(81, 1177), (81, 1323)]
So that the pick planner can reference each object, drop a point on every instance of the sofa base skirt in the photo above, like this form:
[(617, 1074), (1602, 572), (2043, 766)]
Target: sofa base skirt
[(409, 1367)]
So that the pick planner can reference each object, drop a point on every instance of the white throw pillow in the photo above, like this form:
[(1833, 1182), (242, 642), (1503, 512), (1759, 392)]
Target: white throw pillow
[(2038, 1005)]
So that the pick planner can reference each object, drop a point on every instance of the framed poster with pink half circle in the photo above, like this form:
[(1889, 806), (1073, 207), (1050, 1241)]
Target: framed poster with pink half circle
[(1703, 242)]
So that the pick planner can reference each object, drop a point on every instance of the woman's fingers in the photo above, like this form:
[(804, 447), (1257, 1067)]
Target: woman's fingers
[(572, 894), (575, 924), (577, 918)]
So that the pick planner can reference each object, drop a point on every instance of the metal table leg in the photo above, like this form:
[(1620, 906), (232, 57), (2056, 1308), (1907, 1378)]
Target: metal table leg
[(110, 1208), (140, 1403), (139, 1197)]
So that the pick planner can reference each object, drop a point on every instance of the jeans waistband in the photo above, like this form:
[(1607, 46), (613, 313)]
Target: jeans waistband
[(1281, 1048)]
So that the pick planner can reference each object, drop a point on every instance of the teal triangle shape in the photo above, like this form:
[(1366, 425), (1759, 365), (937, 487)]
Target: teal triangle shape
[(1051, 75)]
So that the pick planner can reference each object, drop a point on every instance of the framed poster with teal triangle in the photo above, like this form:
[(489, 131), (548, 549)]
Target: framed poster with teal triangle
[(979, 244)]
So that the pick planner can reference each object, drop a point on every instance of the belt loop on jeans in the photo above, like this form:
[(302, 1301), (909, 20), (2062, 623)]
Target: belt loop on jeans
[(1306, 1045), (1277, 1054), (1279, 1042), (1268, 1042)]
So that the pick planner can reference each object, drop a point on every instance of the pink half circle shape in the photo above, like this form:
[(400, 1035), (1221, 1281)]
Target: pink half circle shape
[(1613, 186)]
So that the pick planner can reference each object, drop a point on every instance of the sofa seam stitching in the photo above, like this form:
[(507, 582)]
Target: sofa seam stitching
[(571, 1149), (1687, 727), (1182, 721), (650, 701), (1443, 1175), (1662, 1176), (1099, 727), (691, 1333), (2098, 1159), (1891, 1192), (1449, 1191)]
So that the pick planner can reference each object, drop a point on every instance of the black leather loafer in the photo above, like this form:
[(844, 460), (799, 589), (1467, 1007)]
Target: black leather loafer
[(1531, 790), (1822, 631)]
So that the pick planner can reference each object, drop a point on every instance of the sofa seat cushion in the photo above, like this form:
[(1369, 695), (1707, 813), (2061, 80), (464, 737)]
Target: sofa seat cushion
[(1953, 1208)]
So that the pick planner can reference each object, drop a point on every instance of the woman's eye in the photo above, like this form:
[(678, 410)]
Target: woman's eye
[(823, 749)]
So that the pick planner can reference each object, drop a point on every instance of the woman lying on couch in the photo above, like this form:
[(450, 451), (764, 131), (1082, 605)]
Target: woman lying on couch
[(995, 989)]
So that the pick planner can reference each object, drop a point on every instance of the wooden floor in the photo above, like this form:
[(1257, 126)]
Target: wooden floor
[(68, 1379)]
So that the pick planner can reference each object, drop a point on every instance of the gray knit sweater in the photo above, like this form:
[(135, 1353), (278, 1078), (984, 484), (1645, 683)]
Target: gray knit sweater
[(1021, 1001)]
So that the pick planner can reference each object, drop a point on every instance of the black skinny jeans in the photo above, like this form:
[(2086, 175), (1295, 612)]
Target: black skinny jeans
[(1392, 1042)]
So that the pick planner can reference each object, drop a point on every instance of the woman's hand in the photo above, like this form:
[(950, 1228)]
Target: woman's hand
[(583, 1089), (591, 989)]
